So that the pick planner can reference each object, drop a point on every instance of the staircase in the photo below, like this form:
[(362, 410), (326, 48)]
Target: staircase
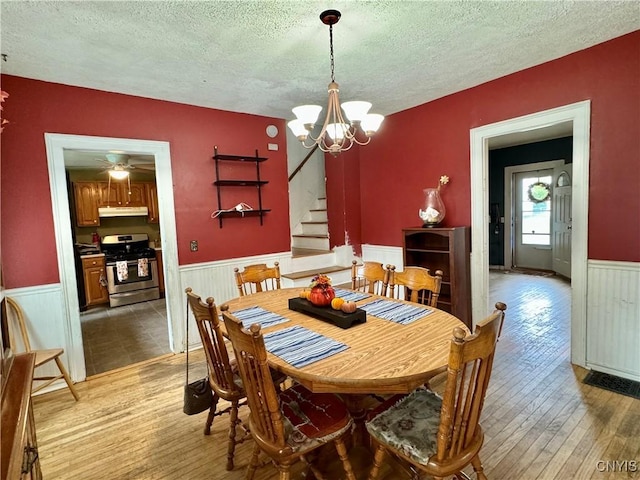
[(314, 238), (311, 253)]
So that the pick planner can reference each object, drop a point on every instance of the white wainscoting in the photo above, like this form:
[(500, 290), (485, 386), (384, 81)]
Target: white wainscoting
[(216, 279), (613, 318), (386, 255), (46, 320)]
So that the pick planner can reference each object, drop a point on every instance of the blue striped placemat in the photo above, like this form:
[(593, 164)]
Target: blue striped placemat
[(402, 313), (300, 346), (350, 295), (259, 315)]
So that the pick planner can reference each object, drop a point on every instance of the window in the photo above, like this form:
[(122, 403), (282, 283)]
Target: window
[(536, 211)]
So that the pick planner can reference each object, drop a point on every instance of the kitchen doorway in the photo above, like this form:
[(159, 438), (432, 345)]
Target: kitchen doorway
[(56, 144)]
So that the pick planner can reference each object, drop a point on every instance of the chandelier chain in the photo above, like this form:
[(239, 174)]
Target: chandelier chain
[(331, 50)]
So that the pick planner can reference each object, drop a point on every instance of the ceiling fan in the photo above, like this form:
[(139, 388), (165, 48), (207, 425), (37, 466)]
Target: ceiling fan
[(119, 165)]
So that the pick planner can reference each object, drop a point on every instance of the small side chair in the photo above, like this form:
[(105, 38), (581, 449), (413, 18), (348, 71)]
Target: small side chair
[(42, 356)]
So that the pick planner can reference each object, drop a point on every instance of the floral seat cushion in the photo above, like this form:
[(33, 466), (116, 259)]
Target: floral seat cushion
[(410, 426)]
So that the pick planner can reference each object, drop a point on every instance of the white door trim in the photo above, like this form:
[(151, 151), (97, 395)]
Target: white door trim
[(55, 145), (580, 115)]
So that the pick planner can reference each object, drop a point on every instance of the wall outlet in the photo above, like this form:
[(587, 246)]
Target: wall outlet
[(193, 245)]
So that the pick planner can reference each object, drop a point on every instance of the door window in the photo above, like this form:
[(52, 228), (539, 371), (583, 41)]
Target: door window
[(536, 210)]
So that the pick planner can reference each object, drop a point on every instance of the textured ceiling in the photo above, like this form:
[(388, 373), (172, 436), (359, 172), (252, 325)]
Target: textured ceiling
[(265, 57)]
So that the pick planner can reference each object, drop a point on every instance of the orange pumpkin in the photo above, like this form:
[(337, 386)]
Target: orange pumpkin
[(336, 303), (321, 297)]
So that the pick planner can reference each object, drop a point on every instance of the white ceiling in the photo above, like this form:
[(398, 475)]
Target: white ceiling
[(265, 57)]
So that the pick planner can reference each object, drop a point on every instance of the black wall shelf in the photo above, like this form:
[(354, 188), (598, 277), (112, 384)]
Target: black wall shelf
[(256, 182)]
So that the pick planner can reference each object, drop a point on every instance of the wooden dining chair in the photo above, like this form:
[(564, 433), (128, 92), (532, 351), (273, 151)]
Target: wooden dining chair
[(257, 278), (416, 284), (224, 379), (436, 435), (17, 319), (370, 277), (286, 425)]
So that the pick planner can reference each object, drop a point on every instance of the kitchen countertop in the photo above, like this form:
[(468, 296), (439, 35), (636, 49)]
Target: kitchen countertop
[(93, 255)]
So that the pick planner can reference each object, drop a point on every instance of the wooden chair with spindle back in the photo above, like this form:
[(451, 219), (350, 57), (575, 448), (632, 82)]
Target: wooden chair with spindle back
[(257, 278), (224, 380), (286, 425), (370, 277), (418, 285), (436, 435), (17, 319)]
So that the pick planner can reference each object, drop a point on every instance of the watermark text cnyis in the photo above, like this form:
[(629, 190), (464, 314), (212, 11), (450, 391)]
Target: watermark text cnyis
[(617, 466)]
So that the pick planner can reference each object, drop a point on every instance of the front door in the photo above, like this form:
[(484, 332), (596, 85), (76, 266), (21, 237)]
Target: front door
[(561, 242), (533, 219)]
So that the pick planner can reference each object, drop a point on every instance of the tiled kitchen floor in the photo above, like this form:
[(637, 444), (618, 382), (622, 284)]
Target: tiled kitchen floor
[(120, 336)]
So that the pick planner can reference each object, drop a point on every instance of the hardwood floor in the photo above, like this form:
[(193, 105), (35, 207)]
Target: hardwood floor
[(540, 420)]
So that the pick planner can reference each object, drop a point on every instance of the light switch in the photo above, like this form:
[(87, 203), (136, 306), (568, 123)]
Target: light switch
[(193, 245)]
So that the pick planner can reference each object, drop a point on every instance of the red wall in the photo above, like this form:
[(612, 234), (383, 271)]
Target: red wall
[(343, 198), (35, 107), (416, 146), (381, 184)]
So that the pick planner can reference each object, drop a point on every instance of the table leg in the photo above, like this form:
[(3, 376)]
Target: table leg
[(357, 406)]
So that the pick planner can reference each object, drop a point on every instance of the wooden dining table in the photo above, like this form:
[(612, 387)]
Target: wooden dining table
[(383, 357)]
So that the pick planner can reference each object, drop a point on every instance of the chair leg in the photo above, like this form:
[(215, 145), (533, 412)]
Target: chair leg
[(346, 463), (212, 414), (315, 473), (233, 421), (377, 462), (285, 473), (477, 467), (67, 378), (253, 464)]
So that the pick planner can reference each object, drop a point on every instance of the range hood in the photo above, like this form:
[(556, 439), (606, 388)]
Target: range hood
[(123, 211)]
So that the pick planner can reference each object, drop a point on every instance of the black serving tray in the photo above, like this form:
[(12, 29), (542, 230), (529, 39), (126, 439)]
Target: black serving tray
[(328, 314)]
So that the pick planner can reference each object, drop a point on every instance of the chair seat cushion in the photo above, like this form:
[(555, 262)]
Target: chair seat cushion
[(312, 417), (410, 426)]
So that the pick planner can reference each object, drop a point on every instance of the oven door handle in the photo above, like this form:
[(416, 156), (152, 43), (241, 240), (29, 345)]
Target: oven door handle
[(129, 262)]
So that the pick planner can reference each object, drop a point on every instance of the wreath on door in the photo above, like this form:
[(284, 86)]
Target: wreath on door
[(539, 192)]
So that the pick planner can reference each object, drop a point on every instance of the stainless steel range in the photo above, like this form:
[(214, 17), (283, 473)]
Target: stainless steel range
[(132, 269)]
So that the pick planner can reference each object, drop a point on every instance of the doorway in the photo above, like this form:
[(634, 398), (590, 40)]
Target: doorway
[(56, 144), (532, 254), (578, 117)]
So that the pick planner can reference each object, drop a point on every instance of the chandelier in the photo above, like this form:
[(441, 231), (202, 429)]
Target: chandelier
[(336, 135)]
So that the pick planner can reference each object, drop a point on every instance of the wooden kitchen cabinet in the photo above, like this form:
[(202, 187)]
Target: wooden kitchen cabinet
[(449, 250), (95, 281), (152, 202), (86, 195), (120, 194)]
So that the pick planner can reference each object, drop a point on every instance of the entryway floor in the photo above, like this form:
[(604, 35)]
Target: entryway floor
[(120, 336)]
